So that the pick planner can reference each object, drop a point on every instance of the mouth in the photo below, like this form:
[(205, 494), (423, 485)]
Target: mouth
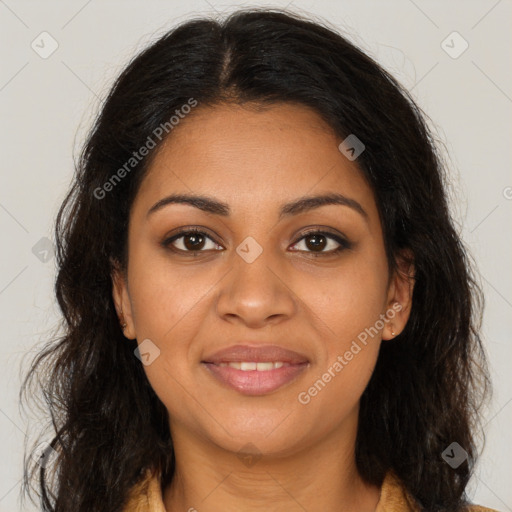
[(255, 370)]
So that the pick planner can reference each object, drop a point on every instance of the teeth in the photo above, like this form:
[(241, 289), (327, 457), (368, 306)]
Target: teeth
[(247, 366)]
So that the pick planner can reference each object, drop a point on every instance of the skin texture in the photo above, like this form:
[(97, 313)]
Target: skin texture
[(192, 306)]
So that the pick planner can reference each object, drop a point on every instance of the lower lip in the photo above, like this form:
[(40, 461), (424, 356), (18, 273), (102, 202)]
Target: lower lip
[(254, 382)]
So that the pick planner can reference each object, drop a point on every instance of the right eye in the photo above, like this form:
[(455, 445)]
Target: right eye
[(191, 241)]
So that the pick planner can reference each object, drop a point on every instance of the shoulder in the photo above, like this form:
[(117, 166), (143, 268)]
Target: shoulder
[(394, 498)]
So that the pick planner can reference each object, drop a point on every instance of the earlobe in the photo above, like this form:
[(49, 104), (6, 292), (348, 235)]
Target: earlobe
[(122, 303)]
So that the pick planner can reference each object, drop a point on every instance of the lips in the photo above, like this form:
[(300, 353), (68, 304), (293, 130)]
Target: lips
[(255, 370), (258, 354)]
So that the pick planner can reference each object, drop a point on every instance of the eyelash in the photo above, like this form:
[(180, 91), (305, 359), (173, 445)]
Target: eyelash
[(343, 243)]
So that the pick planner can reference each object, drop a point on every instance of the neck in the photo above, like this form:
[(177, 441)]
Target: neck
[(320, 477)]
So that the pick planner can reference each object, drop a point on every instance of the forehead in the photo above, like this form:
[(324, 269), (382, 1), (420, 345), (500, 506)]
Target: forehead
[(231, 127), (253, 156)]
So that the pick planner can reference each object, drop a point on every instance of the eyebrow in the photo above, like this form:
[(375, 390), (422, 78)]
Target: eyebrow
[(301, 205)]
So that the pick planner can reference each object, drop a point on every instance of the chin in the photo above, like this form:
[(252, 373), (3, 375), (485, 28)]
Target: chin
[(270, 433)]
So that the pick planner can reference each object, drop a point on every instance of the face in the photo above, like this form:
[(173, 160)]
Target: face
[(304, 286)]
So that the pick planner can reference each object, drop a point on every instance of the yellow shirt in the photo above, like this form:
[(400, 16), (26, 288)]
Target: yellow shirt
[(147, 497)]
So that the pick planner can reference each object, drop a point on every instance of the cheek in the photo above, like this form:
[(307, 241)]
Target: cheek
[(347, 308), (166, 310), (165, 299), (346, 300)]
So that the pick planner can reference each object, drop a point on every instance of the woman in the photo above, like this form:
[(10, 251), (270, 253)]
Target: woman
[(266, 303)]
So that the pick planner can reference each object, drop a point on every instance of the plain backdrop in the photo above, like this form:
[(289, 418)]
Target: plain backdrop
[(462, 81)]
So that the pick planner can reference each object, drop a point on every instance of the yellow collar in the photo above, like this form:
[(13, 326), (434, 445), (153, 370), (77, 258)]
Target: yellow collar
[(146, 496)]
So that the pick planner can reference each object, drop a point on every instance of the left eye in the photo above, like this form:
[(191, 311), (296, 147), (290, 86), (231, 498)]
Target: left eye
[(318, 242)]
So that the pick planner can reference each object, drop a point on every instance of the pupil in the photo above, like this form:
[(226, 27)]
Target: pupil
[(196, 241), (318, 243)]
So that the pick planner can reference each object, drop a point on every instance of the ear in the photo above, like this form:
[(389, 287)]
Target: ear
[(122, 301), (399, 299)]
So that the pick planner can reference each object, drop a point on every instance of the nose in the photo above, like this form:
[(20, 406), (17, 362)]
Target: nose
[(256, 293)]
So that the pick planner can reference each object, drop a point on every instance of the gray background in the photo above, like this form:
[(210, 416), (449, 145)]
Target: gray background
[(47, 105)]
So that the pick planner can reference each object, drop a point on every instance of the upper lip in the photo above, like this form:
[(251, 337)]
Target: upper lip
[(255, 353)]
